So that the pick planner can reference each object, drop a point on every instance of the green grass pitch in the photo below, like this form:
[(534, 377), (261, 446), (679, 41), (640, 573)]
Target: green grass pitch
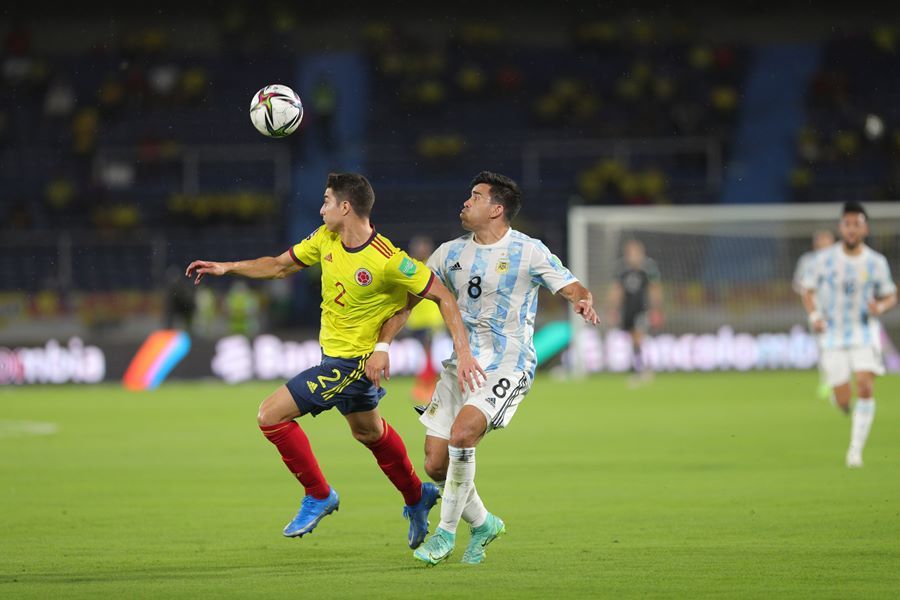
[(726, 485)]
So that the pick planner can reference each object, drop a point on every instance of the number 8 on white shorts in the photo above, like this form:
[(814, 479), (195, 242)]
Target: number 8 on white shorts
[(497, 398)]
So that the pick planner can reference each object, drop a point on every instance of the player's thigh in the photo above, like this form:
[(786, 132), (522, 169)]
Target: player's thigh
[(446, 402), (867, 359), (836, 366), (500, 396), (278, 407)]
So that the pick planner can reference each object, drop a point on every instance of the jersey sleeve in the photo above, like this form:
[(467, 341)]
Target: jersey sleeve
[(884, 283), (436, 263), (309, 251), (546, 269), (809, 272), (408, 273)]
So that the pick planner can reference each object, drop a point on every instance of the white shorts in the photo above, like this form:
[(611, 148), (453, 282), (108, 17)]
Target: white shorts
[(497, 398), (839, 363)]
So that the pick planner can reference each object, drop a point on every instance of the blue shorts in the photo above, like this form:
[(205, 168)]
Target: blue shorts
[(335, 382)]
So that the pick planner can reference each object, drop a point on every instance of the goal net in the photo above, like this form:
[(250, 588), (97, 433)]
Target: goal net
[(726, 274)]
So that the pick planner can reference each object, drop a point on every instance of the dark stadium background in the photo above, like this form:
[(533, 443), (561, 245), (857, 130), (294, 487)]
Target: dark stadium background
[(126, 149)]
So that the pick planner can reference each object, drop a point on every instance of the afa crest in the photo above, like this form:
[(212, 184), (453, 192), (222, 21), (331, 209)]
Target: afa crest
[(363, 277), (503, 265)]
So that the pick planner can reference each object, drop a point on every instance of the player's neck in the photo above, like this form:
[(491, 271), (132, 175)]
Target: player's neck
[(853, 251), (355, 232), (490, 234)]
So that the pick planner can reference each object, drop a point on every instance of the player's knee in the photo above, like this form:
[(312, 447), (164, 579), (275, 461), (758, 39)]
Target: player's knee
[(864, 389), (268, 414), (264, 417), (436, 468), (366, 437), (464, 437)]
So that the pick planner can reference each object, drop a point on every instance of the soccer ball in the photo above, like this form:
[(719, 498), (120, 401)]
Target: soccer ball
[(276, 110)]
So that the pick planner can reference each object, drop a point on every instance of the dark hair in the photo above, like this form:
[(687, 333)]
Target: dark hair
[(852, 207), (355, 189), (504, 191)]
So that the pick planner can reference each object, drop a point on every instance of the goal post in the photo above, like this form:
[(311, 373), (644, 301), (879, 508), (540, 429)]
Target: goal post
[(726, 275)]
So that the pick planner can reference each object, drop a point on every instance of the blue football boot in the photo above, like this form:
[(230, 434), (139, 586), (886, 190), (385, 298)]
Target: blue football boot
[(312, 510), (417, 514)]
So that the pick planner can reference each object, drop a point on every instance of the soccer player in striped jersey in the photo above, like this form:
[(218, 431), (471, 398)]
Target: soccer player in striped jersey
[(847, 287), (495, 273), (365, 280)]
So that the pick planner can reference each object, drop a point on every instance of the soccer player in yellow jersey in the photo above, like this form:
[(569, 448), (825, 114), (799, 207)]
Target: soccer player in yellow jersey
[(365, 280)]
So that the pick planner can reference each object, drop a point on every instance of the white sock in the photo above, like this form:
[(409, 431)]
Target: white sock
[(475, 514), (863, 415), (460, 482)]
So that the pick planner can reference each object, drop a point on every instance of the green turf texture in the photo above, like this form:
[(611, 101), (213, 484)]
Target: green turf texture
[(725, 485)]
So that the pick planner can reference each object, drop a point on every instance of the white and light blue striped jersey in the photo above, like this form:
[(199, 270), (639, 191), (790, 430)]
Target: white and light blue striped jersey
[(496, 286), (844, 285)]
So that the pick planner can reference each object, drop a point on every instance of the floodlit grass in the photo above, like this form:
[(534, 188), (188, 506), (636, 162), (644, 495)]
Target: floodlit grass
[(728, 485)]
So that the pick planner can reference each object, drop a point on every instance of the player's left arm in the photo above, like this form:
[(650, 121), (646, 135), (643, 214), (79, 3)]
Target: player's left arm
[(879, 306), (888, 299), (582, 301), (545, 268)]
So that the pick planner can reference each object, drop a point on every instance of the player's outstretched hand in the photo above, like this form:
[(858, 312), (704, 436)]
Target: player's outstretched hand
[(585, 308), (379, 362), (467, 372), (204, 267)]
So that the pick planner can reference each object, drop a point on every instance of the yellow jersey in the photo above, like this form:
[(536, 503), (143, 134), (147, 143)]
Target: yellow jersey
[(362, 287)]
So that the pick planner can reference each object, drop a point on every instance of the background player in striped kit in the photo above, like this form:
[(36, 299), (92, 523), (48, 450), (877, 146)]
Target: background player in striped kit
[(847, 287), (495, 273)]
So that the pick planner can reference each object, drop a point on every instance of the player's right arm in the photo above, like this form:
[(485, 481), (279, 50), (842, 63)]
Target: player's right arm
[(300, 255), (413, 276), (467, 368), (265, 267), (815, 318)]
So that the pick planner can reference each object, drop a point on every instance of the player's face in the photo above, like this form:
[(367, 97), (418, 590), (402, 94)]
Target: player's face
[(854, 229), (332, 211), (478, 209), (634, 254)]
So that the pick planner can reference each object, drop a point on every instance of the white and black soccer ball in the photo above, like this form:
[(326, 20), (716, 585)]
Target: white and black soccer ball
[(276, 110)]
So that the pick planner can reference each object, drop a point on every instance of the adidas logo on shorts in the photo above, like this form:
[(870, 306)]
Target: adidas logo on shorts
[(490, 400)]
